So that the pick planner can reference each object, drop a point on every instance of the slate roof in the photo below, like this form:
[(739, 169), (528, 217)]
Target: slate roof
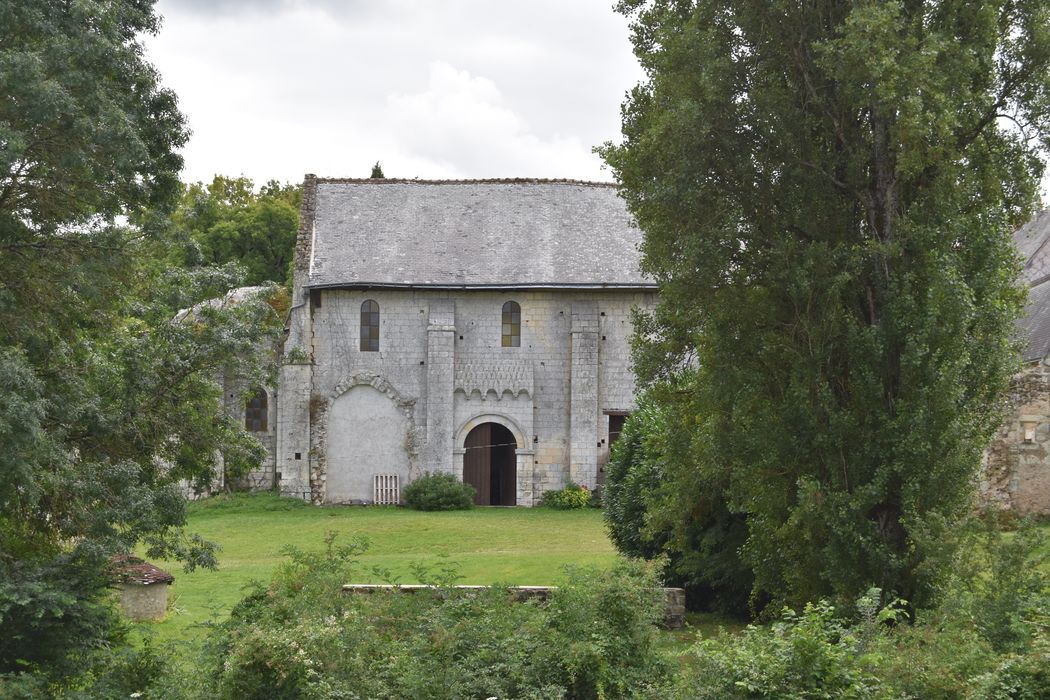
[(131, 569), (1031, 240), (1036, 322), (468, 234)]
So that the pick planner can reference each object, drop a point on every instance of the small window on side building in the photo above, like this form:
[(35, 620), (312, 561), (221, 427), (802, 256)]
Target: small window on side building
[(616, 422), (255, 412)]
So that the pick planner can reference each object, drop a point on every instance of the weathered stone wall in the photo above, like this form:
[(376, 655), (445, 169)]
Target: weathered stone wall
[(141, 602), (235, 393), (441, 355), (1016, 470)]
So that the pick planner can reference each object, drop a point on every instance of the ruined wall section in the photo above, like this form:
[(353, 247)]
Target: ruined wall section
[(1016, 470)]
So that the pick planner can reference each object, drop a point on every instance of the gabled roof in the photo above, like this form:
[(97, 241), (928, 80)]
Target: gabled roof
[(467, 234)]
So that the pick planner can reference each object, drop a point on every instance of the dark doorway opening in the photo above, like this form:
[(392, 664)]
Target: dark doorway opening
[(616, 421), (490, 465)]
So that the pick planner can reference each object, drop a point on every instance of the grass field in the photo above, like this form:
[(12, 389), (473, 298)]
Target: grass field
[(526, 546)]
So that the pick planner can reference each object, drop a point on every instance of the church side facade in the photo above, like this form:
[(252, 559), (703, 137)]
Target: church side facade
[(490, 339)]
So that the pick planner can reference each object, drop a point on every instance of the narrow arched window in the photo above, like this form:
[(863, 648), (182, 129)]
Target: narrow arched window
[(511, 325), (370, 326), (255, 412)]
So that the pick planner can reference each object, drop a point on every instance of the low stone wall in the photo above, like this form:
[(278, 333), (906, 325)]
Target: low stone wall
[(674, 598)]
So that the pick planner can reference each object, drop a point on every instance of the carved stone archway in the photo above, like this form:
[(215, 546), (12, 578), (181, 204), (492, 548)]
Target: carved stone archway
[(523, 454)]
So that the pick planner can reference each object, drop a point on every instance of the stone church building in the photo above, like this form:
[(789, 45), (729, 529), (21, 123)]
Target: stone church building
[(479, 328), (482, 328)]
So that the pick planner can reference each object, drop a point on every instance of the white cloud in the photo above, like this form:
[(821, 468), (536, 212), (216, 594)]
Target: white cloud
[(462, 124), (462, 88)]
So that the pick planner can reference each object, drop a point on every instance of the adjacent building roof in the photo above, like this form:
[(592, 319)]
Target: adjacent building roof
[(1033, 242), (468, 234)]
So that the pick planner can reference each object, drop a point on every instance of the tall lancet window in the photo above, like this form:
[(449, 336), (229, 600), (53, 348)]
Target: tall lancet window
[(511, 325), (255, 412), (370, 326)]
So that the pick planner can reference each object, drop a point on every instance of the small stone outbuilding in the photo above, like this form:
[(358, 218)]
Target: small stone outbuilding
[(143, 588)]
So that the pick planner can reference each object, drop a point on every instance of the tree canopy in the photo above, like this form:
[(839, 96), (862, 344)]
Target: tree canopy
[(107, 398), (228, 221), (827, 192)]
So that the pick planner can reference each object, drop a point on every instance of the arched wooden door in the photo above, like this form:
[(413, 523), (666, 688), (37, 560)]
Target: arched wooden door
[(490, 465)]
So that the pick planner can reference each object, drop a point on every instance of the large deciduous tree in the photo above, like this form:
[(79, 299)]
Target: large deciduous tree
[(229, 221), (105, 399), (827, 191)]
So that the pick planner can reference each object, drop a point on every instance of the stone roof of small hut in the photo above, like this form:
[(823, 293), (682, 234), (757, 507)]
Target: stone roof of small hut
[(131, 569), (466, 234)]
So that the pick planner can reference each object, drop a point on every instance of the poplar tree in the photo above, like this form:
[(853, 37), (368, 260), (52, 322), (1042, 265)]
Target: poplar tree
[(827, 191)]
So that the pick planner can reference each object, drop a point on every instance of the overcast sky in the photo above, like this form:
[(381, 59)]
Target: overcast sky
[(274, 89)]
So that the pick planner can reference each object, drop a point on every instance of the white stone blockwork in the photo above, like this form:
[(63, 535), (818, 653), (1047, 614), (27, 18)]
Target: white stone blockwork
[(532, 389)]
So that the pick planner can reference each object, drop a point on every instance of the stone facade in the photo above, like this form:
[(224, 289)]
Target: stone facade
[(1016, 473), (234, 396), (141, 602), (440, 371), (565, 252)]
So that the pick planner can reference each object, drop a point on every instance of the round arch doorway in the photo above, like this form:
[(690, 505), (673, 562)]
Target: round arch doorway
[(490, 465)]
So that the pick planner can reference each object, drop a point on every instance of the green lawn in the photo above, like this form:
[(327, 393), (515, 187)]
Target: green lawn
[(489, 545)]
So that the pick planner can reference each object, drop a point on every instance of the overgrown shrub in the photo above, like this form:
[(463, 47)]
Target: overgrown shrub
[(53, 609), (572, 497), (644, 514), (298, 637), (438, 491), (632, 478), (946, 654)]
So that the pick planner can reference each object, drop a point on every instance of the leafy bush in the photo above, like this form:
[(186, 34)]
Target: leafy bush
[(595, 637), (642, 513), (632, 477), (812, 654), (572, 497), (946, 654), (438, 491), (52, 609)]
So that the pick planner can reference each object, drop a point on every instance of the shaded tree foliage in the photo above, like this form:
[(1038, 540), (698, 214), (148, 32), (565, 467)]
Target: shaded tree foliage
[(702, 549), (827, 192), (228, 221), (105, 400)]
